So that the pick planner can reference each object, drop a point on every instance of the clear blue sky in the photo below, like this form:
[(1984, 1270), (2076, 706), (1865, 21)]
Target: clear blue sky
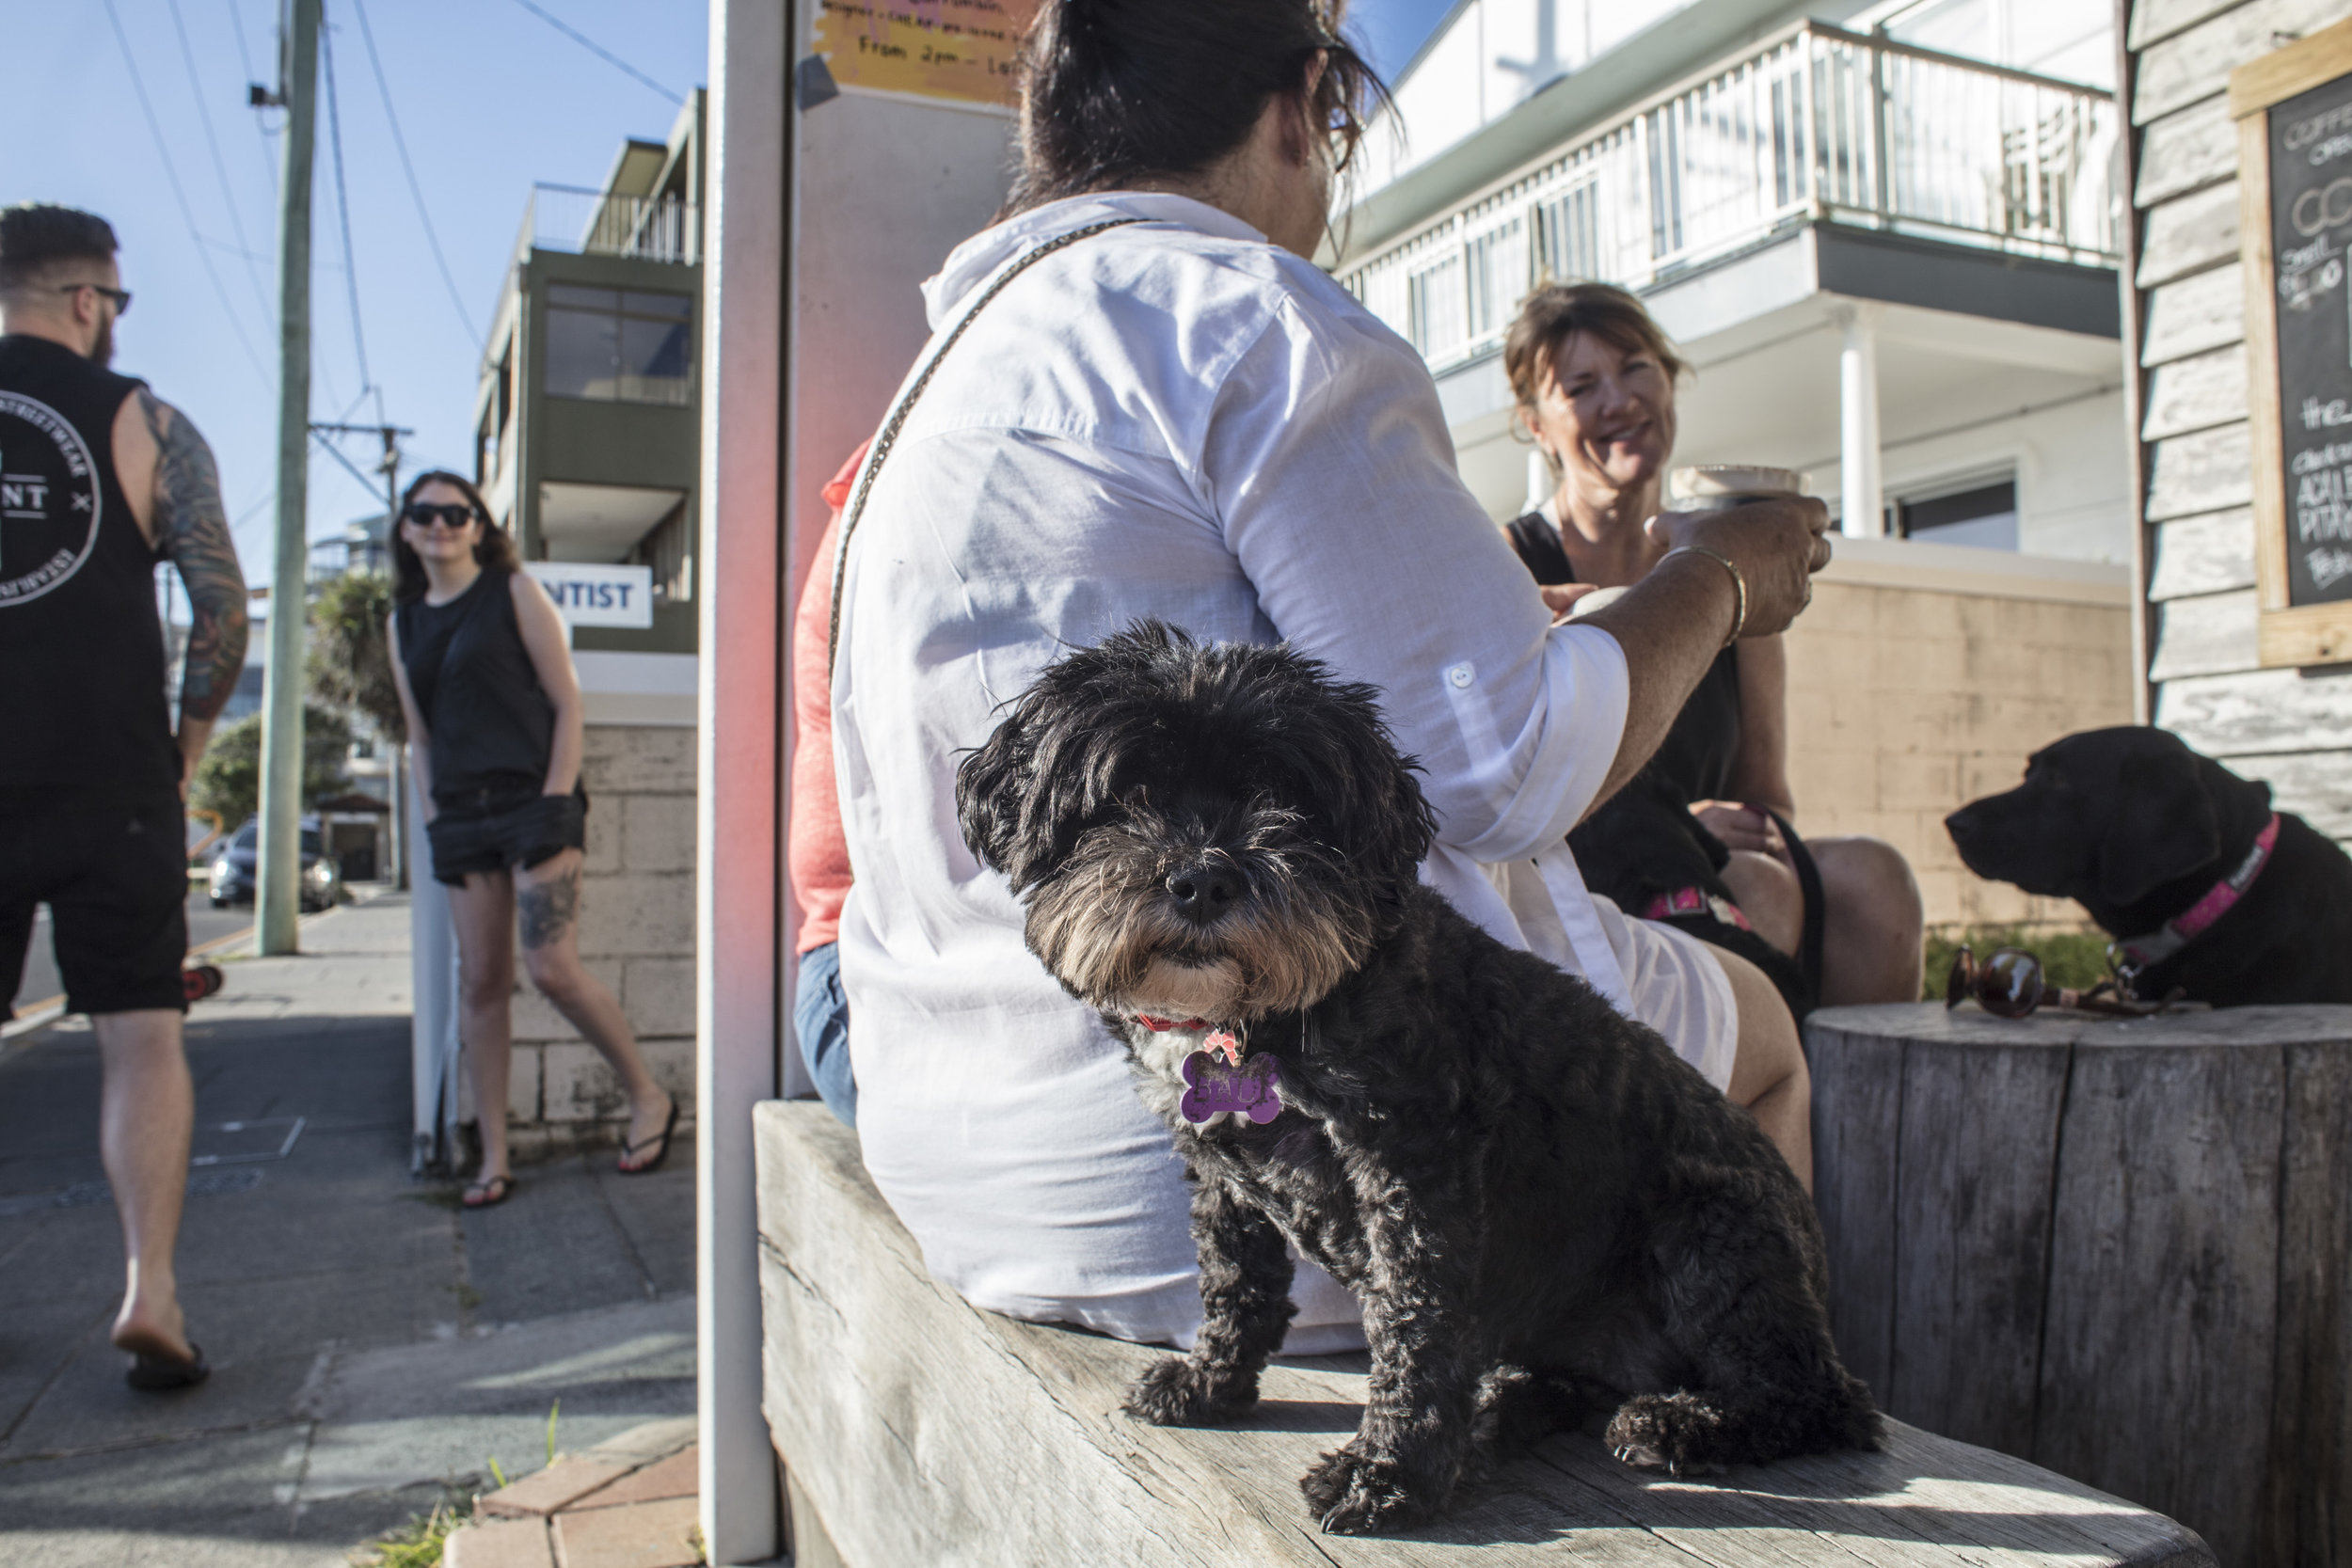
[(490, 98)]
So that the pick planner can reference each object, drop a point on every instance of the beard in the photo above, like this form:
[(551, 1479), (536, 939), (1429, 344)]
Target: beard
[(101, 353)]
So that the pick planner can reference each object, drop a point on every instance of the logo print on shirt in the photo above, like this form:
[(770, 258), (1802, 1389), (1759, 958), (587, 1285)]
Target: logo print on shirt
[(50, 500)]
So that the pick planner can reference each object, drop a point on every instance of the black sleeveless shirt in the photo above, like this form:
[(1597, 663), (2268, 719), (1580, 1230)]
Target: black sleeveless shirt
[(1696, 757), (487, 720), (83, 714)]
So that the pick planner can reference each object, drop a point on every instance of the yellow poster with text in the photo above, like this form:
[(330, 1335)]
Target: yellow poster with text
[(959, 48)]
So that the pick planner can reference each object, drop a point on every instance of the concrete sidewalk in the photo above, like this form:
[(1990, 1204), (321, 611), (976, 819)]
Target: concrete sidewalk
[(374, 1346)]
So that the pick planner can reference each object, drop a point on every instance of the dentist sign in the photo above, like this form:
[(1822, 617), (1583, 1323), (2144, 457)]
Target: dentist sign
[(597, 596)]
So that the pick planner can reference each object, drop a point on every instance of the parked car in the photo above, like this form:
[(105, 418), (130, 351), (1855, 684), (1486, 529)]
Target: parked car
[(233, 869)]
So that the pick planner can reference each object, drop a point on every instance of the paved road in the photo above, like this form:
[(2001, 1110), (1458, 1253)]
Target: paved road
[(374, 1347), (205, 923)]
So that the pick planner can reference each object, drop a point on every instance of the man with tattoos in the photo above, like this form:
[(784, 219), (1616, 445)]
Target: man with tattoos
[(100, 480)]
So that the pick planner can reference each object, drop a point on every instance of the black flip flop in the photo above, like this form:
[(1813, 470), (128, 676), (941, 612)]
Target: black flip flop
[(160, 1374), (659, 1145), (494, 1192)]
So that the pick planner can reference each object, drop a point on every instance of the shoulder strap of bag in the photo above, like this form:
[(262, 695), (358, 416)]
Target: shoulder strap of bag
[(889, 434)]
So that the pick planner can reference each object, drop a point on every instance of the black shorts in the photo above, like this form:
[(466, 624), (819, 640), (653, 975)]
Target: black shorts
[(115, 882), (499, 835)]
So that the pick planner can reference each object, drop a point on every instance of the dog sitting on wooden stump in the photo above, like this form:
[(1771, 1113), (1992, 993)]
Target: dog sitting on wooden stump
[(1544, 1211)]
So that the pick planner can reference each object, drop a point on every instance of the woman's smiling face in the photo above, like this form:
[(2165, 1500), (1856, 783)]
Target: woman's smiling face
[(1606, 415)]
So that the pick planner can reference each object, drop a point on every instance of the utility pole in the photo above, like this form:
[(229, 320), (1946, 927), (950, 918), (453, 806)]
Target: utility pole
[(278, 887), (390, 468)]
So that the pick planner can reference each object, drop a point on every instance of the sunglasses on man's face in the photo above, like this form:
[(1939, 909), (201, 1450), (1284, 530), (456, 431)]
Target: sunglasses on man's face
[(121, 298), (453, 516)]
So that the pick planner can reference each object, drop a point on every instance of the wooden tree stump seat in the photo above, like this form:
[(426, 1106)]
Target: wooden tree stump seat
[(2119, 1247), (920, 1433)]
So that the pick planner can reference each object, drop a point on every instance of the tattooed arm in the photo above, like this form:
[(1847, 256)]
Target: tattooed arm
[(174, 490)]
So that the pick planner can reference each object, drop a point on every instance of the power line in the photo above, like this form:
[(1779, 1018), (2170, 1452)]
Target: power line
[(178, 192), (375, 62), (245, 57), (342, 207), (221, 168), (599, 50)]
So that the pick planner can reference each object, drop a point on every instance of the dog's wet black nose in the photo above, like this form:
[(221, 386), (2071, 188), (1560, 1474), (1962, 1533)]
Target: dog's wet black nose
[(1203, 892)]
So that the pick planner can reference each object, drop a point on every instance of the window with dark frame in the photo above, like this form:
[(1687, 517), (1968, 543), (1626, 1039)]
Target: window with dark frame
[(1983, 516), (619, 345)]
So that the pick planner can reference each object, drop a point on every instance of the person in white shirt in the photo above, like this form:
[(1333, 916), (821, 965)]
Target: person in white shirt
[(1183, 417)]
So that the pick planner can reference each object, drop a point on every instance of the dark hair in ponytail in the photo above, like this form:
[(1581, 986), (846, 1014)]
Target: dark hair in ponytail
[(1116, 90)]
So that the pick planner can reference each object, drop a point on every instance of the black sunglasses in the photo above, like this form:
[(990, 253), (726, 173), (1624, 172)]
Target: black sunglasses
[(2011, 984), (451, 516), (120, 296)]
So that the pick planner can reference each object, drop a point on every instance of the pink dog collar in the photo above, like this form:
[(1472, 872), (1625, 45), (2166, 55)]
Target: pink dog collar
[(2177, 932), (1696, 900)]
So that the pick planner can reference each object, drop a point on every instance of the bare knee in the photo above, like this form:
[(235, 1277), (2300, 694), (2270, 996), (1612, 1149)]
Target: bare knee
[(1869, 877), (557, 972), (486, 985)]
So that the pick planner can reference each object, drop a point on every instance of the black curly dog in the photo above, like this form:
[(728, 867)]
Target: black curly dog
[(1541, 1207)]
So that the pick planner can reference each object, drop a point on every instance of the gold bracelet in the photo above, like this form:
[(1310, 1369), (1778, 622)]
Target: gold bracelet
[(1739, 585)]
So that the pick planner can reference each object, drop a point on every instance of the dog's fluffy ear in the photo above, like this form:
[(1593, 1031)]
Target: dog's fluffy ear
[(2165, 825), (990, 784)]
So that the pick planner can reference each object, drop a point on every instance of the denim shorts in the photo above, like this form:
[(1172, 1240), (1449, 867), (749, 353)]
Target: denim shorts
[(820, 1019), (501, 834)]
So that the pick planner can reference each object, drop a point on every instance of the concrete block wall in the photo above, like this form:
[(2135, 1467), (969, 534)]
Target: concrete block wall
[(636, 935), (1906, 702)]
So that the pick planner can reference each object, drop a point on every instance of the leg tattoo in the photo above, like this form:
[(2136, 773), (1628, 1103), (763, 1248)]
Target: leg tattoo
[(548, 909)]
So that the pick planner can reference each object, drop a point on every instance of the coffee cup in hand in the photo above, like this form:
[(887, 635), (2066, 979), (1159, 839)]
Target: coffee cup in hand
[(1758, 521)]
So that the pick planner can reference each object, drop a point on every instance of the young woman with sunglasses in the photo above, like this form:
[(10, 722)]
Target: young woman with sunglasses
[(493, 706)]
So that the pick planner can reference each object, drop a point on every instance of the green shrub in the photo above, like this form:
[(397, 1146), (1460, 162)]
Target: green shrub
[(2076, 958), (229, 780)]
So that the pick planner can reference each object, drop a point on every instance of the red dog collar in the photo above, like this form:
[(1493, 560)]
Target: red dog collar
[(2177, 932), (1162, 1025), (1696, 900)]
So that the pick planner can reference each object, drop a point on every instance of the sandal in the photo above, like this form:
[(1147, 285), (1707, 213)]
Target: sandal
[(487, 1194), (158, 1375), (660, 1143)]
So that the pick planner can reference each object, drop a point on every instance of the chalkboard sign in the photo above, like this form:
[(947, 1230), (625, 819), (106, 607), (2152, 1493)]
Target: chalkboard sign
[(2293, 113)]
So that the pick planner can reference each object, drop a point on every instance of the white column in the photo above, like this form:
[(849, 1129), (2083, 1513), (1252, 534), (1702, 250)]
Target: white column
[(1860, 501), (738, 756)]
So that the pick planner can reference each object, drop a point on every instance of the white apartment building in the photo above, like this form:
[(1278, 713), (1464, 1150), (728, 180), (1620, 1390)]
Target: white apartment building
[(1884, 237)]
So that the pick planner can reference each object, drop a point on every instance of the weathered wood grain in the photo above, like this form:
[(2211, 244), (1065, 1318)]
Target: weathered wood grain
[(2206, 310), (1973, 1226), (2210, 635), (2202, 555), (2162, 1322), (2193, 147), (2188, 235), (2196, 63), (2153, 20), (922, 1430), (1857, 1123), (2200, 473), (2195, 394), (2315, 786), (2259, 713), (2306, 1515)]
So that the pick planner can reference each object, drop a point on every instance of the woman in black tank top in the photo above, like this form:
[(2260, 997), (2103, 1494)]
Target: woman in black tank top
[(1595, 382), (493, 706)]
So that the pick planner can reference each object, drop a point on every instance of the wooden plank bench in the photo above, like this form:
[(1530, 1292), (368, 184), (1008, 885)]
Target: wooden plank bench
[(2118, 1246), (920, 1433)]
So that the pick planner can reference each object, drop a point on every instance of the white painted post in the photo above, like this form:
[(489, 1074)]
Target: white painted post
[(433, 1044), (1861, 503), (739, 1021)]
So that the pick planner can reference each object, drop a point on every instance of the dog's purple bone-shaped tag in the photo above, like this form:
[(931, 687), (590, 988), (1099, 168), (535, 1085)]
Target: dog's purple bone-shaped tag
[(1253, 1088)]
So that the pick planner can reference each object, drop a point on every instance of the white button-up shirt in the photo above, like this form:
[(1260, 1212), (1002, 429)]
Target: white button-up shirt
[(1175, 419)]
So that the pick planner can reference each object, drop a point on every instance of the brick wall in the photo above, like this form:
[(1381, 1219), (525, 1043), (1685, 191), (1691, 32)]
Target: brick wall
[(1905, 703), (636, 934)]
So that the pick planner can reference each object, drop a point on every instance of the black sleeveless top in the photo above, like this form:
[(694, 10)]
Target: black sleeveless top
[(83, 714), (486, 718), (1695, 759)]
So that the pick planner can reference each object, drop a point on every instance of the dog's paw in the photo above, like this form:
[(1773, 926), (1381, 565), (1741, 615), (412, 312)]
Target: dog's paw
[(1178, 1392), (1357, 1494), (1679, 1433)]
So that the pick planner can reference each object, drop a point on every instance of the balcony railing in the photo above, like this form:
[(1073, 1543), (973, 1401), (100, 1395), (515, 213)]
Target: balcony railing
[(1818, 123), (596, 223)]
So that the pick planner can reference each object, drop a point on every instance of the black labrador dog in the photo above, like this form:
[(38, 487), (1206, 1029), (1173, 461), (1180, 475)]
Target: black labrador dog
[(2207, 889)]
